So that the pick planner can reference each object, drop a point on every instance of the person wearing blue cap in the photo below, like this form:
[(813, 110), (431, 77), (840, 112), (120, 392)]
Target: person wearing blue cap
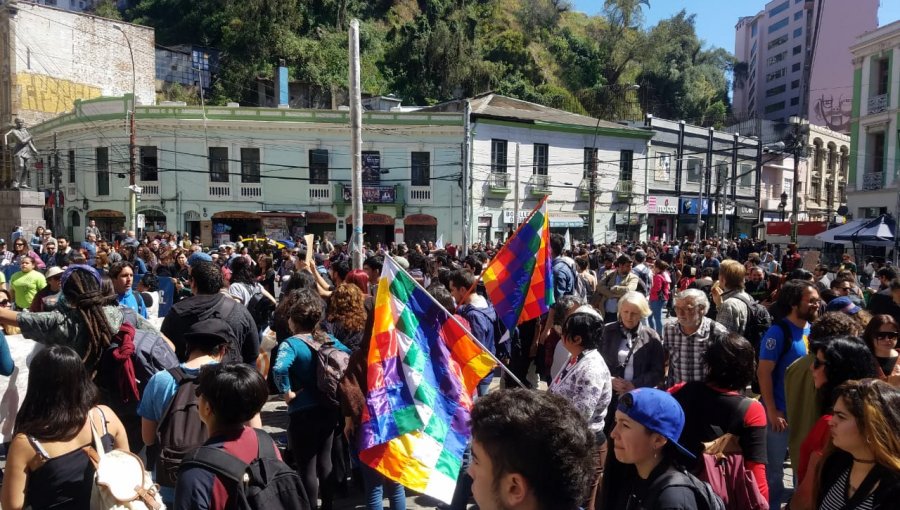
[(645, 471)]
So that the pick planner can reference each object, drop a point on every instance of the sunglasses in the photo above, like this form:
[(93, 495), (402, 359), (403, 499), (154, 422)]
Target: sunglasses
[(817, 363), (5, 302), (887, 335)]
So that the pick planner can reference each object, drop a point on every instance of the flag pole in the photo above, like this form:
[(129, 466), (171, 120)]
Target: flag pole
[(452, 316)]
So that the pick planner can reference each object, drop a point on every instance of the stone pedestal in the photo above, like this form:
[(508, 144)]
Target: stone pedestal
[(21, 207)]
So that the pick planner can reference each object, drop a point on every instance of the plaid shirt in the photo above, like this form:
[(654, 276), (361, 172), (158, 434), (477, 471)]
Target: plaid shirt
[(686, 351)]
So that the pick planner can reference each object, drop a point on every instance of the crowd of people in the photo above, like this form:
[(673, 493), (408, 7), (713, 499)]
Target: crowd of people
[(650, 351)]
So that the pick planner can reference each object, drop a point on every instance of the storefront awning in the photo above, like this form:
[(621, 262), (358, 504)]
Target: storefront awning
[(566, 221)]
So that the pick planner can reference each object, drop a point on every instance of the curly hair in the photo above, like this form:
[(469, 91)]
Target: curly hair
[(832, 324), (347, 306), (85, 294)]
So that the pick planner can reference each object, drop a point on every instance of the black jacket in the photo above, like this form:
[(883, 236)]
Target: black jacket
[(886, 494), (649, 359), (182, 315)]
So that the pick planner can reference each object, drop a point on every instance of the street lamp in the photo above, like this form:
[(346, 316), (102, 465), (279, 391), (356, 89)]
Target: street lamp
[(783, 204), (132, 185), (797, 145)]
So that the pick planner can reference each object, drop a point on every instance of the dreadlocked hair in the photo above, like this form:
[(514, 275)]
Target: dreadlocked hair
[(84, 294)]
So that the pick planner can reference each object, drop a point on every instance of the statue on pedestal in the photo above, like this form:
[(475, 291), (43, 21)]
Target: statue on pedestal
[(23, 151)]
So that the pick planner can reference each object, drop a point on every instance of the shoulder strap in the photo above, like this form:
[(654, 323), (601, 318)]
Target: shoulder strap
[(39, 448), (266, 447), (218, 461), (228, 307), (178, 374), (788, 337), (743, 407)]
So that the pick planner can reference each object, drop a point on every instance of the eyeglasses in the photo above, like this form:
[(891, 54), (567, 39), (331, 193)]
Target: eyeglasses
[(817, 363), (5, 302), (881, 335)]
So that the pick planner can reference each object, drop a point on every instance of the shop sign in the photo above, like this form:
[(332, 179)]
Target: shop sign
[(508, 215), (689, 206), (662, 205), (373, 194)]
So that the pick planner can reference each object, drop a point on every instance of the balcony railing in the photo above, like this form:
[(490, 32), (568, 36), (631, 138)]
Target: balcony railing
[(219, 191), (540, 184), (625, 189), (149, 190), (499, 182), (251, 190), (420, 195), (873, 180), (320, 193), (878, 104)]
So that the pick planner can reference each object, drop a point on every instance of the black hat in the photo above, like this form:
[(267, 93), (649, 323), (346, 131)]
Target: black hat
[(209, 333)]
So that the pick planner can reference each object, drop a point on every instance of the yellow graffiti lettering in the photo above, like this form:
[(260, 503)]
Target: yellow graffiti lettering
[(51, 95)]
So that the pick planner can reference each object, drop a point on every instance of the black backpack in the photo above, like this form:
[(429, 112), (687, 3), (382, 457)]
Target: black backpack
[(261, 309), (758, 321), (180, 429), (785, 347), (704, 496), (265, 483)]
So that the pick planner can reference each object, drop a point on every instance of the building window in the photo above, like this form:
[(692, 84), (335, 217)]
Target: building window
[(588, 161), (539, 159), (498, 156), (778, 9), (881, 76), (694, 167), (776, 58), (421, 169), (795, 84), (774, 107), (842, 193), (815, 187), (795, 101), (778, 25), (318, 166), (798, 15), (249, 165), (745, 176), (663, 166), (753, 29), (795, 67), (101, 155), (774, 91), (797, 50), (218, 164), (371, 167), (778, 41), (798, 32), (149, 168), (877, 152), (774, 75), (71, 167), (626, 164)]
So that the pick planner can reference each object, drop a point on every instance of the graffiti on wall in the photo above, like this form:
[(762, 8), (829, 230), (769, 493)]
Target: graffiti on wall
[(46, 94), (832, 112)]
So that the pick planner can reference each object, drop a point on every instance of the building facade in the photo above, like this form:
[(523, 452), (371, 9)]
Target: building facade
[(522, 152), (825, 183), (68, 5), (875, 127), (795, 44), (700, 173), (222, 173)]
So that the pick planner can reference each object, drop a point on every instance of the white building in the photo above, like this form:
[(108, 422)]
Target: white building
[(525, 151)]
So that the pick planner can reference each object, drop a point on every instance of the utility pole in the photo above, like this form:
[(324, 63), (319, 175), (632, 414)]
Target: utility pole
[(132, 170), (466, 173), (356, 241), (56, 193), (516, 193), (592, 192), (699, 206)]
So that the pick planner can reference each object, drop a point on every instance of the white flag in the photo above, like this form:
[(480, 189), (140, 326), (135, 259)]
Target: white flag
[(568, 245), (439, 244)]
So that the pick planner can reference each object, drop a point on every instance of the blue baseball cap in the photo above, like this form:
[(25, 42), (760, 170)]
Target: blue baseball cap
[(657, 411), (842, 304), (198, 256)]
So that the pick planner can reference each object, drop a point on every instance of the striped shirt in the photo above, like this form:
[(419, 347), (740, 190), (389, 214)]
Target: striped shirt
[(686, 351), (836, 497)]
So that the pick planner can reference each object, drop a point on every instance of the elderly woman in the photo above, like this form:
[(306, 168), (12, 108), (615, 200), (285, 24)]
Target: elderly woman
[(632, 350), (685, 340)]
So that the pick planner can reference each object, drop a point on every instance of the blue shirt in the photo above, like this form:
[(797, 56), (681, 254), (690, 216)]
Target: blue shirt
[(128, 299), (771, 347), (295, 370), (160, 390)]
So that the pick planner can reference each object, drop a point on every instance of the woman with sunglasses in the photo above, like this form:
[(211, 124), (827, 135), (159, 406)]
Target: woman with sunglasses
[(863, 469), (881, 337), (837, 360), (21, 249)]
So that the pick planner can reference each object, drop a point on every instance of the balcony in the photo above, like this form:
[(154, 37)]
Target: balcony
[(251, 190), (540, 184), (420, 195), (219, 191), (877, 104), (873, 181), (149, 189), (624, 189), (499, 182), (320, 193)]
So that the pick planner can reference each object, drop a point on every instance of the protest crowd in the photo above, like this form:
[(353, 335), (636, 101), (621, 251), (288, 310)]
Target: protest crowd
[(654, 375)]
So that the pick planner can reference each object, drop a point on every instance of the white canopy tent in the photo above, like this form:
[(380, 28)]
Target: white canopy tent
[(846, 229)]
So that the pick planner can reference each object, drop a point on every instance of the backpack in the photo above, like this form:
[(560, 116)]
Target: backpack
[(180, 429), (265, 483), (785, 347), (704, 496), (583, 287), (331, 363), (645, 281), (260, 308), (559, 262), (152, 353), (642, 286), (758, 321), (723, 469)]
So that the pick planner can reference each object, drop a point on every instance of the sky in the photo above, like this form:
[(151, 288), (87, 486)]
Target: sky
[(716, 19)]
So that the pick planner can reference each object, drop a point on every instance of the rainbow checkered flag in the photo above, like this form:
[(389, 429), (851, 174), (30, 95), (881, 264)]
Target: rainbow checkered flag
[(519, 279), (423, 368)]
